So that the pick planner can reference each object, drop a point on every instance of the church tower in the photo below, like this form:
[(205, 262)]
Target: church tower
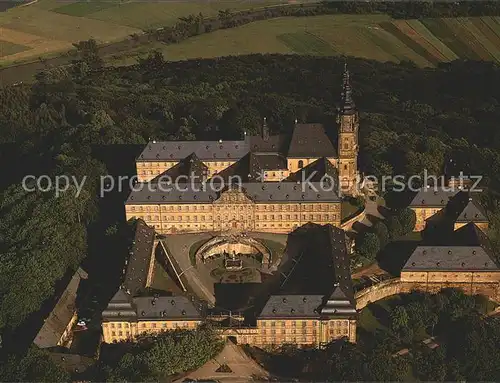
[(348, 121)]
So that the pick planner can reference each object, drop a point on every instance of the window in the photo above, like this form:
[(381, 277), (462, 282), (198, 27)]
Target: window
[(301, 164)]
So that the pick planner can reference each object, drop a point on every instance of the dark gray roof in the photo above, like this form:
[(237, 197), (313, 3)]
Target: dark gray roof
[(150, 307), (251, 167), (288, 191), (338, 304), (257, 191), (341, 262), (120, 306), (204, 150), (472, 213), (274, 144), (315, 171), (59, 318), (175, 307), (310, 140), (140, 258), (270, 161), (292, 306), (320, 271), (431, 197), (450, 258), (191, 166)]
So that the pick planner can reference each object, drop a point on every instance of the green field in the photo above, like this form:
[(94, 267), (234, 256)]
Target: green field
[(306, 43), (85, 8), (50, 26), (8, 48), (425, 42)]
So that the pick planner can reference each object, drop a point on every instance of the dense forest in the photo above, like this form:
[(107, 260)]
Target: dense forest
[(411, 119)]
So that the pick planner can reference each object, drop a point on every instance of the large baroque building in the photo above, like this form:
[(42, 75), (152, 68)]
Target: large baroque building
[(312, 305), (465, 259), (283, 181), (451, 205)]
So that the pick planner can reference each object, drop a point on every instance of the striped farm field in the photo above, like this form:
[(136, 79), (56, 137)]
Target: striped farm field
[(465, 34), (492, 35), (426, 42), (437, 44), (488, 45), (48, 27), (410, 42), (421, 38)]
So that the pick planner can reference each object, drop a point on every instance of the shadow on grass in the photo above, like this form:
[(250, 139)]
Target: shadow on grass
[(393, 257), (385, 212), (360, 227)]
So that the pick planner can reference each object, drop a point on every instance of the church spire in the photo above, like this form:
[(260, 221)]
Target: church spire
[(265, 130), (347, 103)]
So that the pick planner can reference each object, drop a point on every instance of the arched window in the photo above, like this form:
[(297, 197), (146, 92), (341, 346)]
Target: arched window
[(301, 164)]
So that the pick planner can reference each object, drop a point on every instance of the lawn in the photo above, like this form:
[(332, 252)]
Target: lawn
[(7, 48), (306, 43), (155, 14), (85, 8), (193, 249), (348, 210), (161, 279), (275, 248), (49, 26), (376, 315)]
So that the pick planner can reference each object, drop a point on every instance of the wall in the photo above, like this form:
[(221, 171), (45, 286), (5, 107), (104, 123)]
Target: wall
[(423, 213), (263, 217), (303, 332), (230, 244), (347, 225), (117, 331), (482, 225), (396, 286)]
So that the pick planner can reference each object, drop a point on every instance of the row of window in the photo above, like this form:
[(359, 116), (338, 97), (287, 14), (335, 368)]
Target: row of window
[(240, 207), (284, 331), (241, 218), (304, 323), (150, 325), (170, 164)]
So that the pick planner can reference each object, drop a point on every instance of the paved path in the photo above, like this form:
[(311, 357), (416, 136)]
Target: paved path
[(371, 209), (242, 368)]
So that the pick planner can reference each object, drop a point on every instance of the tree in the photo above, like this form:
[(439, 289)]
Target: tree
[(381, 231), (407, 218), (394, 227), (368, 245), (89, 53), (171, 352), (36, 365), (399, 319), (429, 365)]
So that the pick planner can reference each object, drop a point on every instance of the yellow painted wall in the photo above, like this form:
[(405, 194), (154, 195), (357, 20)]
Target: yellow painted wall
[(267, 332), (275, 218), (482, 225)]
